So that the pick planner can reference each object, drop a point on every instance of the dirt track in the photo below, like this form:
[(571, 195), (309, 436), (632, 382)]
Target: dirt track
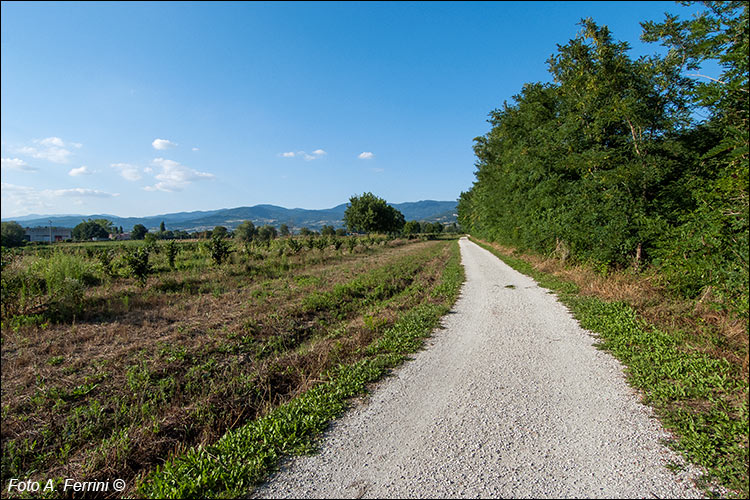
[(511, 399)]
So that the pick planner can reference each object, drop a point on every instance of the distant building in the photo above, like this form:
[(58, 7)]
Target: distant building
[(48, 234), (119, 236)]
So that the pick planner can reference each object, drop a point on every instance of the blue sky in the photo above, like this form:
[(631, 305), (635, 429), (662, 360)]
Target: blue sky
[(137, 109)]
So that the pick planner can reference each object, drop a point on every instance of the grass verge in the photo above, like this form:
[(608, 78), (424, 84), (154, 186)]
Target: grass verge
[(701, 399), (245, 456)]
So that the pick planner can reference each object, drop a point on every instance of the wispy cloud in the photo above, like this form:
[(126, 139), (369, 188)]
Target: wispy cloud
[(162, 144), (127, 171), (51, 149), (366, 155), (80, 192), (196, 149), (17, 164), (175, 176), (24, 199), (82, 170), (318, 153)]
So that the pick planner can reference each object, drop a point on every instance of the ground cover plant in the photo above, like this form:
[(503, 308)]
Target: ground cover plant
[(690, 362), (135, 368)]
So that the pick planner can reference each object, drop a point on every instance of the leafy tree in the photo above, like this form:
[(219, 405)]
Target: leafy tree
[(99, 228), (412, 227), (368, 213), (245, 231), (171, 249), (137, 261), (267, 233), (606, 163), (13, 235), (284, 230), (219, 249), (305, 232), (328, 231), (139, 232), (162, 227), (341, 232), (219, 232)]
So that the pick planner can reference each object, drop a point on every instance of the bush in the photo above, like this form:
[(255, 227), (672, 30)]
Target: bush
[(219, 249), (171, 249), (65, 277), (137, 261), (13, 235)]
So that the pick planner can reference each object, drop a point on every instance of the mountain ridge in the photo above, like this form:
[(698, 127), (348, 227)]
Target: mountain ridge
[(262, 214)]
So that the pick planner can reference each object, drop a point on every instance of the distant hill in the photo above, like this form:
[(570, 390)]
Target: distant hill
[(295, 218)]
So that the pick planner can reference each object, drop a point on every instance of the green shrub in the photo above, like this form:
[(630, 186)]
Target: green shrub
[(171, 249), (219, 249), (137, 261)]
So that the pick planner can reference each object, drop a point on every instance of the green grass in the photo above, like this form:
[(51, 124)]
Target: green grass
[(245, 456), (700, 399)]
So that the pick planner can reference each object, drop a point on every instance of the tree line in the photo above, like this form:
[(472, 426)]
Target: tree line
[(622, 162), (365, 214)]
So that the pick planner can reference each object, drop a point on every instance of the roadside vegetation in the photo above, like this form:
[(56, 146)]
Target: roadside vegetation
[(624, 163), (124, 359), (688, 361)]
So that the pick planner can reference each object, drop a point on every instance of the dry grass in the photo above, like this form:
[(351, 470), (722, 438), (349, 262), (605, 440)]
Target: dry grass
[(226, 356)]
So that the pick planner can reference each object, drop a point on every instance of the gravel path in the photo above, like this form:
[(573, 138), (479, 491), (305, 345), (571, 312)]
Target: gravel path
[(511, 399)]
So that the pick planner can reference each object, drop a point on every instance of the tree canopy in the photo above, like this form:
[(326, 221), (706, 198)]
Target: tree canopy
[(369, 214), (96, 228), (608, 162), (13, 235), (139, 232)]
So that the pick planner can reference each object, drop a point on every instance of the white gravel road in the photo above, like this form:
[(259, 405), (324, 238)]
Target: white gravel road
[(510, 399)]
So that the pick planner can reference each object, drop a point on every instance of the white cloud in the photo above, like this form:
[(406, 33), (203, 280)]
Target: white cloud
[(162, 144), (174, 176), (80, 192), (17, 164), (318, 153), (366, 155), (51, 149), (127, 171), (196, 149), (24, 199), (82, 170)]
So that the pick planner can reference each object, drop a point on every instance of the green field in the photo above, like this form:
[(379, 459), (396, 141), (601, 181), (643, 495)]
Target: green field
[(107, 376)]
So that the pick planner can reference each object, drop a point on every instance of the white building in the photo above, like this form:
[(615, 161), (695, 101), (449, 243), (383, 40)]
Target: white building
[(48, 234)]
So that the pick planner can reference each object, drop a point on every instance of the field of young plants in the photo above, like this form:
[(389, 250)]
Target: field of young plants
[(129, 360)]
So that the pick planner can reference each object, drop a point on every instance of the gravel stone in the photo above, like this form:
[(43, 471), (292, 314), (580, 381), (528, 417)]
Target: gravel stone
[(509, 399)]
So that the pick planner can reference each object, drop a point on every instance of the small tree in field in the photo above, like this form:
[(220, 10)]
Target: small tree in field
[(219, 249), (246, 231), (370, 214), (13, 235), (139, 232), (172, 250), (138, 263)]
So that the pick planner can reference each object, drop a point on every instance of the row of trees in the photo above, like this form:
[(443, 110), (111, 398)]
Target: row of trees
[(610, 162), (365, 214)]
